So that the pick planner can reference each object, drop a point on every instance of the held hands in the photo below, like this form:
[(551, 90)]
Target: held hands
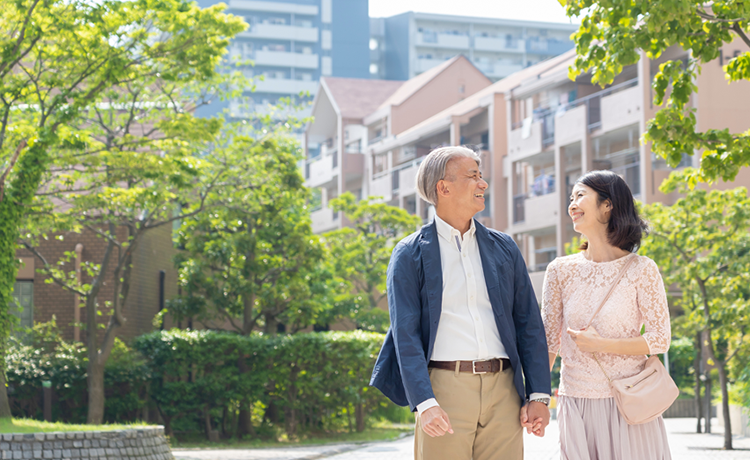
[(435, 422), (535, 418), (587, 340)]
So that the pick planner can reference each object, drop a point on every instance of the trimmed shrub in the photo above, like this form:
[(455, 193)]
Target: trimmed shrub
[(318, 380)]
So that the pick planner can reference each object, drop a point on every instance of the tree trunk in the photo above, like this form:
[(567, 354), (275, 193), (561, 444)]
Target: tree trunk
[(708, 389), (95, 380), (4, 403), (698, 366), (725, 406), (245, 424), (271, 327), (359, 415), (290, 419)]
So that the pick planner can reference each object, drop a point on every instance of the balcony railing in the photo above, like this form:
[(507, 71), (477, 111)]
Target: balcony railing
[(593, 107), (397, 168)]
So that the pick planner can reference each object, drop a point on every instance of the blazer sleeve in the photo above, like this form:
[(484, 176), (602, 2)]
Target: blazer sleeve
[(405, 308), (530, 336)]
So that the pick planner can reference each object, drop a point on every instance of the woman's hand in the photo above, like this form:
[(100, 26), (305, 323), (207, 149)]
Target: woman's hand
[(587, 339)]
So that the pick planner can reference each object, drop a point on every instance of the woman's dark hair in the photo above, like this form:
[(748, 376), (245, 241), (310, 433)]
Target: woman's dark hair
[(625, 228)]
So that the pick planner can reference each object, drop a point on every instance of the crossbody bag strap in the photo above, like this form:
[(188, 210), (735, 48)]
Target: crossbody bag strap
[(624, 268)]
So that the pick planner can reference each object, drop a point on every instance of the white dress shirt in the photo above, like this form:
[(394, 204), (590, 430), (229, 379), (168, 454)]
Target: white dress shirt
[(467, 328)]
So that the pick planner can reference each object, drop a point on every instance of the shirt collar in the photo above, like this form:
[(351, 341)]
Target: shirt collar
[(447, 232)]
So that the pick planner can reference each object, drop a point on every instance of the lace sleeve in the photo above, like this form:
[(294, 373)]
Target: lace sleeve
[(652, 303), (552, 308)]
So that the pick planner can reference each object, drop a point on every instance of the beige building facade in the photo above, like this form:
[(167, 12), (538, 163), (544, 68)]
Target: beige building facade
[(537, 132)]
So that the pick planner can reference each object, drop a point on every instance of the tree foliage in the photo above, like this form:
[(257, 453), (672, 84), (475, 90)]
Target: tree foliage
[(360, 255), (83, 80), (252, 260), (701, 244), (611, 35)]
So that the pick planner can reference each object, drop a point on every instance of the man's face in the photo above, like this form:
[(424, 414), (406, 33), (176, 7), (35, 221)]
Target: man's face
[(465, 186)]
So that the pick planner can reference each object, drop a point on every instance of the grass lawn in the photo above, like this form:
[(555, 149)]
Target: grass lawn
[(379, 432), (22, 425)]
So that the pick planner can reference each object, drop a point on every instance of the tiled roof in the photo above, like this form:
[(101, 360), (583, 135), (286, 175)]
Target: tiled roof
[(359, 97)]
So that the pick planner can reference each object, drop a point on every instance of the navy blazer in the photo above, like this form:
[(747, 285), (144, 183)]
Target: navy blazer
[(415, 296)]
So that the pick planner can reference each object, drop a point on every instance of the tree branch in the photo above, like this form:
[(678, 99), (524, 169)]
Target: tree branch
[(13, 160), (736, 27)]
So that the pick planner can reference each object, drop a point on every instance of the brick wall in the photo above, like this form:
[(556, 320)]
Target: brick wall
[(154, 253)]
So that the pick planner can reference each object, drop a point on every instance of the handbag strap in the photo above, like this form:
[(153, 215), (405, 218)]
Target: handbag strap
[(624, 268)]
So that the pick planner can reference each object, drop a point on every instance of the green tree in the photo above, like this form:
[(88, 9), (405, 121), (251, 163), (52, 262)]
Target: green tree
[(613, 32), (702, 245), (138, 164), (360, 254), (252, 261), (56, 58)]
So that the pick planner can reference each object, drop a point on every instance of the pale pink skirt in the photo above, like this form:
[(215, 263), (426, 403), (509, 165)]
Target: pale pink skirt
[(593, 429)]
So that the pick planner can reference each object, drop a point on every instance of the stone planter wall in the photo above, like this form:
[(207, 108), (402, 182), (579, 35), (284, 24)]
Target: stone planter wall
[(140, 444)]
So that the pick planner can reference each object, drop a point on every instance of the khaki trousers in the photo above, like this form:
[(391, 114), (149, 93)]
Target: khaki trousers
[(484, 413)]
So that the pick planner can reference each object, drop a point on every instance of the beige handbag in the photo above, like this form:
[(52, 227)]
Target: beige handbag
[(647, 394)]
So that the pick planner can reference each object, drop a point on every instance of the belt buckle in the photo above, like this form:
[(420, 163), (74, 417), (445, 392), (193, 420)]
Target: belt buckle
[(474, 366)]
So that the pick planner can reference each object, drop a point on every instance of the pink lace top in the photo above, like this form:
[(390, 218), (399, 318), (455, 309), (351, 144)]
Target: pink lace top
[(573, 289)]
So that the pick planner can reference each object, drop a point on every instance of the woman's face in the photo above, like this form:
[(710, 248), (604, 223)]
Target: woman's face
[(589, 217)]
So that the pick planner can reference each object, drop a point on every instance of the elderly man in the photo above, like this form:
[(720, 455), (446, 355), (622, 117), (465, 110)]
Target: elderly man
[(466, 343)]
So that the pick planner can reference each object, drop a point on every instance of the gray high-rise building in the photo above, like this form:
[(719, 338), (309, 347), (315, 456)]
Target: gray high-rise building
[(292, 43), (408, 44)]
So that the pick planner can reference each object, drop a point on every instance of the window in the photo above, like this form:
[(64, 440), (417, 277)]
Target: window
[(373, 68), (23, 305), (373, 44)]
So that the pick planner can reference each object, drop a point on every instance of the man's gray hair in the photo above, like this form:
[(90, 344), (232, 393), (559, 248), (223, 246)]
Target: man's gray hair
[(432, 169)]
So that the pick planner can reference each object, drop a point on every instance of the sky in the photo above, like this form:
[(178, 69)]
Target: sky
[(530, 10)]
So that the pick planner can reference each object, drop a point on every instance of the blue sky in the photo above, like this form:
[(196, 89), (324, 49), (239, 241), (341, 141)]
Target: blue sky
[(531, 10)]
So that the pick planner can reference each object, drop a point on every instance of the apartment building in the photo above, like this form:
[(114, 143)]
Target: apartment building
[(353, 116), (408, 44), (537, 132), (292, 43)]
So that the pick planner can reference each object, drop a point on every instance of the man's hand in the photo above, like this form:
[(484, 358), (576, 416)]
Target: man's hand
[(535, 418), (435, 422)]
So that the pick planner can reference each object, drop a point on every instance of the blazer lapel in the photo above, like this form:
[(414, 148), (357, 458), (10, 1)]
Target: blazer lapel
[(433, 273), (487, 253)]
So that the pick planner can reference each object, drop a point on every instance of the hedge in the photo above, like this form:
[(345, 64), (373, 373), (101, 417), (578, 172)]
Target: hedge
[(199, 380)]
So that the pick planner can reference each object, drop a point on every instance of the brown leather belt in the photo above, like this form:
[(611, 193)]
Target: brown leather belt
[(475, 367)]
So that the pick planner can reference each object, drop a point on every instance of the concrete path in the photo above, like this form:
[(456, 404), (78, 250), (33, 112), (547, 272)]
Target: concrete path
[(685, 445)]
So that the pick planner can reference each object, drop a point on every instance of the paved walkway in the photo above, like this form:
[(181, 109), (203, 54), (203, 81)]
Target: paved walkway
[(685, 445)]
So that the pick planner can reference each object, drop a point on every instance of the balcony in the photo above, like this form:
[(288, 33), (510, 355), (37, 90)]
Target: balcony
[(382, 186), (353, 166), (621, 108), (553, 47), (324, 220), (438, 40), (285, 59), (525, 140), (322, 171), (536, 212), (617, 108), (281, 32), (498, 44), (571, 126), (285, 86)]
